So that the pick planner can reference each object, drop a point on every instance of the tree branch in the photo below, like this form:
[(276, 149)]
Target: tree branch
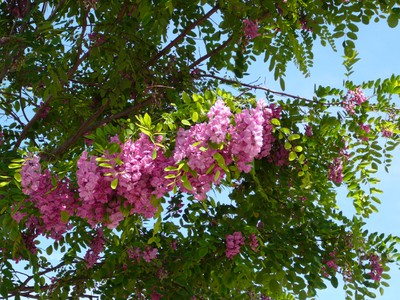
[(127, 111), (256, 87), (211, 53), (80, 58), (182, 35), (56, 9), (84, 128), (37, 116), (70, 73)]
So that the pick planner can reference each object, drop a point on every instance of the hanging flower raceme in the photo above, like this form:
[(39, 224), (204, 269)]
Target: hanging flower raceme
[(353, 99), (233, 243), (51, 201), (96, 247), (132, 184), (250, 29)]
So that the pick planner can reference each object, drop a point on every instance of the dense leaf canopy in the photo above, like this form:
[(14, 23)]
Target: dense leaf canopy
[(136, 162)]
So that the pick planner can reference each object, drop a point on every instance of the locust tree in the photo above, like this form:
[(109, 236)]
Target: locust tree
[(134, 149)]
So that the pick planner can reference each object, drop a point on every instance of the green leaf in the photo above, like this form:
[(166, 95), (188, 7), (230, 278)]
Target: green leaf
[(170, 176), (154, 156), (4, 183), (274, 286), (154, 239), (104, 165), (14, 166), (275, 122), (202, 251), (186, 98), (195, 116), (393, 20), (18, 160), (293, 137), (114, 183), (18, 177), (114, 148), (157, 226), (64, 216), (186, 122), (221, 161), (186, 183), (292, 156), (147, 120), (282, 83), (49, 250), (102, 159), (216, 176), (288, 146), (334, 282), (298, 148)]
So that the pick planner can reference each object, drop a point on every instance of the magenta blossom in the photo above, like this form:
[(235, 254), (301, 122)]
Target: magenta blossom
[(250, 29)]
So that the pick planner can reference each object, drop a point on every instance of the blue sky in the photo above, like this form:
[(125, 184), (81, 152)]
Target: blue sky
[(378, 47)]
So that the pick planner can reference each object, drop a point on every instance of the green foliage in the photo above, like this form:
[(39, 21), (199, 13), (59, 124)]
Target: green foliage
[(74, 74)]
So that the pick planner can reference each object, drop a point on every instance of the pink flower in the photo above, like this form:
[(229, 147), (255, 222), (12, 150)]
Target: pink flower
[(386, 133), (96, 247), (376, 267), (352, 99), (174, 245), (149, 254), (156, 296), (51, 201), (309, 131), (253, 242), (219, 119), (250, 29), (366, 129), (335, 170), (247, 137), (233, 243)]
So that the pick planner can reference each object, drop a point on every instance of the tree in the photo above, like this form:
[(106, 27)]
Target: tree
[(115, 128)]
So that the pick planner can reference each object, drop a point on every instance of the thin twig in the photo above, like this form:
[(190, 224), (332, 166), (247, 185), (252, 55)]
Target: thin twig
[(56, 9), (211, 53), (37, 116), (256, 87), (173, 43), (85, 127)]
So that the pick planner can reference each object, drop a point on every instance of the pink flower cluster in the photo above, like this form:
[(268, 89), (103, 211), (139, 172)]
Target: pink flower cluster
[(249, 136), (233, 243), (386, 133), (253, 242), (352, 99), (250, 29), (96, 247), (335, 170), (236, 240), (366, 129), (331, 263), (308, 130), (140, 178), (376, 267), (336, 167), (279, 157), (49, 200), (130, 180), (148, 254)]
